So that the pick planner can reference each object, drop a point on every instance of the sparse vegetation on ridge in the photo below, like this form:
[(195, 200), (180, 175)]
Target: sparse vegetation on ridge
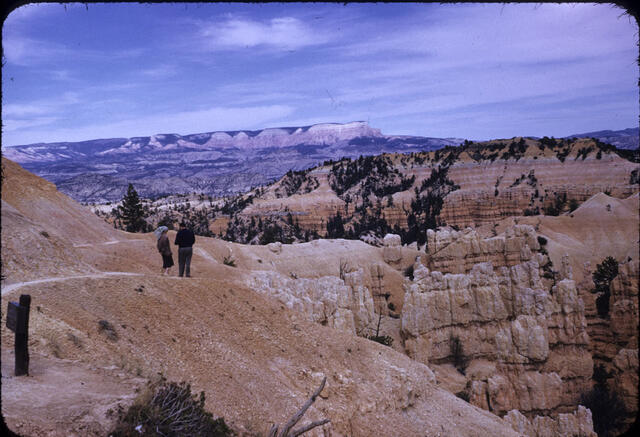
[(296, 182), (368, 186), (168, 409)]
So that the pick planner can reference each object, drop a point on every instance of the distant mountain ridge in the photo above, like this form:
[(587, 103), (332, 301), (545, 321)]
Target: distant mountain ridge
[(217, 163), (220, 162), (622, 139)]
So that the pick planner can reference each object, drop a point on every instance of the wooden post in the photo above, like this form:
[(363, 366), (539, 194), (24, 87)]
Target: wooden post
[(18, 322)]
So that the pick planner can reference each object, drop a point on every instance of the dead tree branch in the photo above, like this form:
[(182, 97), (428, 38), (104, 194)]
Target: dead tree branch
[(286, 429), (299, 431)]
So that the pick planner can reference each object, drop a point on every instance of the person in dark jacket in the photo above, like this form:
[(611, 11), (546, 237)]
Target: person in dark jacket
[(184, 240)]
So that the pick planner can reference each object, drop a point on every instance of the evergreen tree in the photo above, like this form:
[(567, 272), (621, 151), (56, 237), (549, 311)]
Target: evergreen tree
[(131, 213), (602, 277)]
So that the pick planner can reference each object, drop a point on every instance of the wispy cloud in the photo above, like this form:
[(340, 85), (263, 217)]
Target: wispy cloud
[(41, 106), (11, 125), (159, 72), (27, 51), (285, 33), (462, 70)]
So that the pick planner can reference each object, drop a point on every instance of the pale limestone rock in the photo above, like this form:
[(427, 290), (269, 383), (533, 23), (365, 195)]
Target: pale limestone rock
[(503, 316), (566, 272), (392, 254), (529, 340), (392, 240), (481, 369), (457, 251), (626, 377), (576, 424), (345, 305), (526, 390), (275, 247)]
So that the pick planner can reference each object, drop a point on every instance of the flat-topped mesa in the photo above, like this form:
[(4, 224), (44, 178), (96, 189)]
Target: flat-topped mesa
[(278, 137)]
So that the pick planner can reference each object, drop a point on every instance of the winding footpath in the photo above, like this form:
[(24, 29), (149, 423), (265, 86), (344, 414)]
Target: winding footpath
[(6, 289)]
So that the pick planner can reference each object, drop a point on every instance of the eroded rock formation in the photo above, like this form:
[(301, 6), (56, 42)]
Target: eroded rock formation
[(524, 339)]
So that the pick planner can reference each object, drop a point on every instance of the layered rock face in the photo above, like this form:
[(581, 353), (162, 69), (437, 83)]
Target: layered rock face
[(346, 305), (488, 188), (579, 423), (459, 251), (489, 192), (524, 341), (614, 340)]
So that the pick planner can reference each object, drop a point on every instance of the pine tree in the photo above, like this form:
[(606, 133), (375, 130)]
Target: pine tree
[(131, 212)]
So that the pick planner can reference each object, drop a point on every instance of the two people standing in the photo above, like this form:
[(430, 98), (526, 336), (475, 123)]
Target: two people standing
[(184, 240)]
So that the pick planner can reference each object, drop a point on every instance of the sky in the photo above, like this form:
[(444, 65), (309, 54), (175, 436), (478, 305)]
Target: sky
[(478, 71)]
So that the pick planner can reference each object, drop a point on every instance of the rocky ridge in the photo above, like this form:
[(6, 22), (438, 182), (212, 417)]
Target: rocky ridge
[(526, 335), (213, 163), (476, 184), (256, 360), (529, 342)]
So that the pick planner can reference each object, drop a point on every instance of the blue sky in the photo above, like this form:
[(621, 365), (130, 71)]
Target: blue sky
[(476, 71)]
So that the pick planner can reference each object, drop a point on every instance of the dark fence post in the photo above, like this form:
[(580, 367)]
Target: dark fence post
[(22, 337), (18, 322)]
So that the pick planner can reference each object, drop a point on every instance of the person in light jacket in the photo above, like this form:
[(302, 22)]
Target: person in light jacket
[(164, 248)]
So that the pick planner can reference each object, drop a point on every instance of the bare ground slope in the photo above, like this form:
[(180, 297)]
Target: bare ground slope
[(256, 361)]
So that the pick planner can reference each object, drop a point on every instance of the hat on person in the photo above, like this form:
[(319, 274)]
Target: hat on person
[(158, 232)]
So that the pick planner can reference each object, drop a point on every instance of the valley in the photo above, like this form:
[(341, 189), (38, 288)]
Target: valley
[(473, 264)]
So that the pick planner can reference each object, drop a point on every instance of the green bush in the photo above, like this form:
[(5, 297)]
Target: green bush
[(106, 327), (408, 272), (605, 273), (229, 261), (382, 339), (169, 409), (464, 395), (457, 354), (607, 408)]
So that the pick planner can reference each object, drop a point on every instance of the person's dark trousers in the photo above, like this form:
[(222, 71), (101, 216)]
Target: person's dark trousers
[(184, 260)]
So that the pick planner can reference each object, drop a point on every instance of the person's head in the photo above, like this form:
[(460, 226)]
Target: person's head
[(183, 225)]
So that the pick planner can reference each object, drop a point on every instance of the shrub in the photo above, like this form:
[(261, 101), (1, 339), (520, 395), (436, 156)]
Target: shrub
[(463, 395), (573, 204), (408, 272), (229, 261), (169, 409), (607, 408), (106, 327), (382, 339), (457, 354)]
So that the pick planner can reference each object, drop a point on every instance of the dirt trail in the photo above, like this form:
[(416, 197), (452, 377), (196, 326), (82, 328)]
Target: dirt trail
[(6, 289), (106, 243)]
